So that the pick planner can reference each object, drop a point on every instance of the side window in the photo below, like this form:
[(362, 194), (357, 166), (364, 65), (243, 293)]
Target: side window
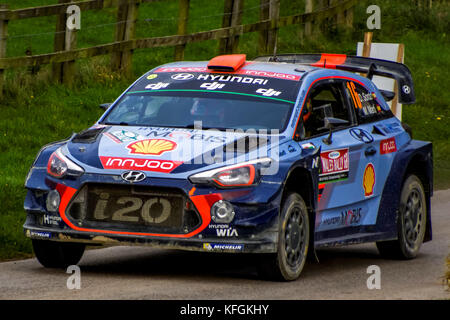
[(324, 100), (365, 103)]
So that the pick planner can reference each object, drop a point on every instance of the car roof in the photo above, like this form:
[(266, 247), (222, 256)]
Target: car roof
[(305, 72)]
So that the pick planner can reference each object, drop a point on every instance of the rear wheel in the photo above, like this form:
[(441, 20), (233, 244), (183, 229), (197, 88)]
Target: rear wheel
[(411, 222), (53, 254), (293, 242)]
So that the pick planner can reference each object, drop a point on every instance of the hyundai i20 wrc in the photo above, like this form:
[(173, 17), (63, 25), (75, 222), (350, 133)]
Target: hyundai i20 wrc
[(277, 156)]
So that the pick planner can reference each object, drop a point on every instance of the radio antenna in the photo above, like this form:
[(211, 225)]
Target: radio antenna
[(274, 58)]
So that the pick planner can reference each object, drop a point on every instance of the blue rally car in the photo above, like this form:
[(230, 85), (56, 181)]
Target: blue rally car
[(277, 156)]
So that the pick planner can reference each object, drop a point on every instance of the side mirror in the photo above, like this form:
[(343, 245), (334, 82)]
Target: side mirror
[(105, 106), (330, 123)]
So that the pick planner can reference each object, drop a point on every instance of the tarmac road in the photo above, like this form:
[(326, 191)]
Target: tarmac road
[(148, 273)]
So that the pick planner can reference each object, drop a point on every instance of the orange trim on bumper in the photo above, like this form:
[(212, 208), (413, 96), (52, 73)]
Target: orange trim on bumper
[(203, 204)]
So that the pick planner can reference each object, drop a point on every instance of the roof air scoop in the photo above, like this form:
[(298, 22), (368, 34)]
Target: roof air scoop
[(227, 63)]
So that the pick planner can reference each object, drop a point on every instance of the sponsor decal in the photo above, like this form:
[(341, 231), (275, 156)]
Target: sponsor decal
[(51, 220), (155, 210), (165, 166), (151, 146), (231, 78), (334, 155), (406, 89), (212, 86), (268, 92), (171, 132), (157, 86), (361, 135), (346, 218), (388, 146), (369, 180), (308, 145), (180, 135), (40, 234), (182, 69), (218, 226), (230, 232), (123, 136), (223, 246), (297, 112), (363, 100), (182, 76), (277, 75), (256, 73), (315, 163), (368, 103), (335, 165), (352, 89), (152, 76), (321, 189)]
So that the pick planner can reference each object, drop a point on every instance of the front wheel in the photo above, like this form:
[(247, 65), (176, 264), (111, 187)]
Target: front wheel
[(293, 242), (53, 254), (411, 222)]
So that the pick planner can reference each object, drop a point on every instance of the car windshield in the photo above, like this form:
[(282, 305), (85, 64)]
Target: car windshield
[(218, 111), (182, 97)]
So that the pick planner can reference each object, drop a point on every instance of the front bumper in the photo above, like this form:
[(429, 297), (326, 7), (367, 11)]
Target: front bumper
[(254, 228)]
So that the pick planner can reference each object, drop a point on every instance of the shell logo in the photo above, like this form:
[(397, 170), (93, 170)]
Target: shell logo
[(151, 146), (369, 180)]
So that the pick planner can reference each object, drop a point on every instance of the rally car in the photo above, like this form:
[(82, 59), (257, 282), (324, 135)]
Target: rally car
[(277, 156)]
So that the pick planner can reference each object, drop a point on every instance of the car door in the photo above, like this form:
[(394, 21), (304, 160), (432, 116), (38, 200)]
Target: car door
[(348, 159), (382, 135)]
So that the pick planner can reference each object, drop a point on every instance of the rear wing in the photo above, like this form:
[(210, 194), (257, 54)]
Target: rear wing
[(370, 66)]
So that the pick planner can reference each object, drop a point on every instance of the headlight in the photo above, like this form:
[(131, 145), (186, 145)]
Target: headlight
[(59, 166), (240, 175)]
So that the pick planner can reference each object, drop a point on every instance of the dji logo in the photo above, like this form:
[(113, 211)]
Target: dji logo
[(212, 86), (268, 92), (156, 86)]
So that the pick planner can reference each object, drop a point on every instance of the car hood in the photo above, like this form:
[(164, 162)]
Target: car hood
[(166, 150)]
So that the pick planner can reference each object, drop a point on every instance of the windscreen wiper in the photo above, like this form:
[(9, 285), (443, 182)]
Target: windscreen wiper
[(117, 124)]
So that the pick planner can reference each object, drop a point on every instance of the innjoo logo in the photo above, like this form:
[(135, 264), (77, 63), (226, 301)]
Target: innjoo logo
[(136, 164)]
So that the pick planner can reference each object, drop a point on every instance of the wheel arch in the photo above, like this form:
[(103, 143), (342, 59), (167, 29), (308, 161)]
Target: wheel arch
[(419, 166), (304, 182), (414, 158)]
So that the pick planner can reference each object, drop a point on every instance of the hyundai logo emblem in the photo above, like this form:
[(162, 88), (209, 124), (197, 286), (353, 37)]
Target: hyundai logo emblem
[(182, 76), (361, 135), (133, 176)]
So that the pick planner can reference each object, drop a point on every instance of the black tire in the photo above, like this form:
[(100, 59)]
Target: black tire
[(411, 224), (293, 242), (53, 254)]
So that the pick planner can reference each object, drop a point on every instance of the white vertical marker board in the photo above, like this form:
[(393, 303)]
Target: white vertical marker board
[(386, 51)]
